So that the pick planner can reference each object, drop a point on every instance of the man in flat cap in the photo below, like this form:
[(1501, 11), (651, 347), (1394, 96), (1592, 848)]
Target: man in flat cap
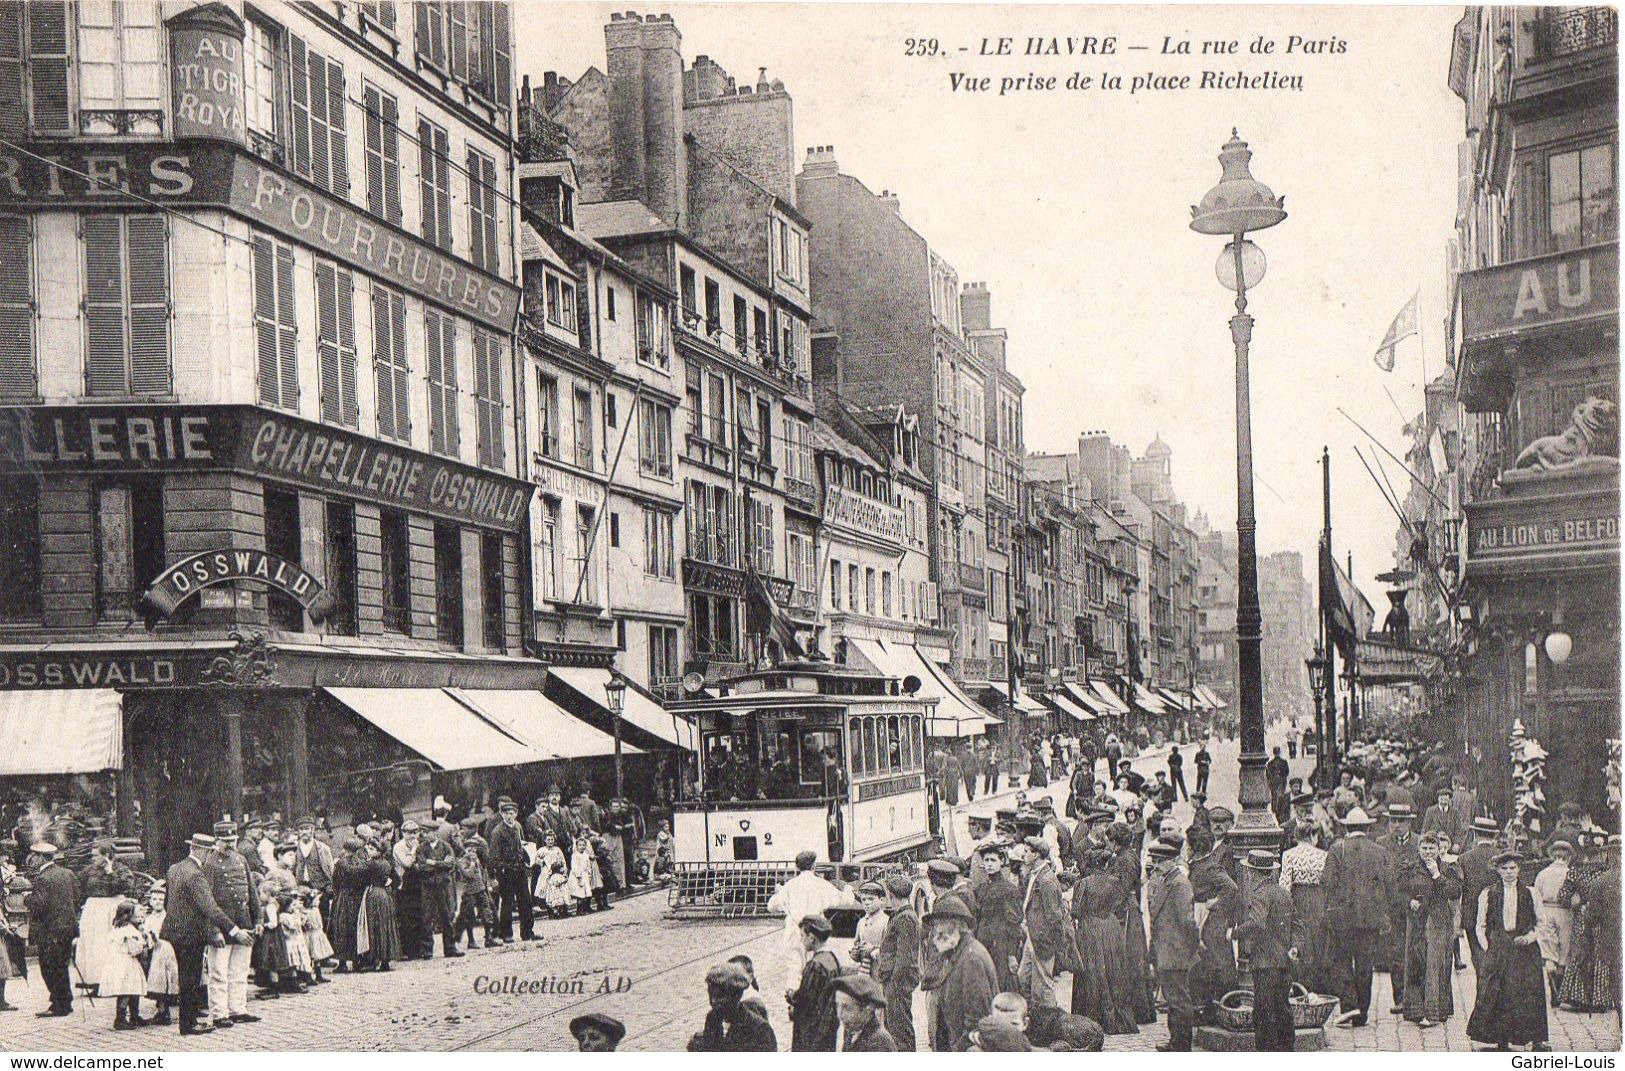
[(596, 1032), (53, 923), (859, 1002), (1043, 925), (1268, 931), (730, 1025), (511, 868), (1477, 874), (897, 967), (812, 1005), (1174, 939), (969, 980)]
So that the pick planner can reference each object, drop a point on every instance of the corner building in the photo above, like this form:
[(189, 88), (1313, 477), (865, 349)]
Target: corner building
[(258, 437)]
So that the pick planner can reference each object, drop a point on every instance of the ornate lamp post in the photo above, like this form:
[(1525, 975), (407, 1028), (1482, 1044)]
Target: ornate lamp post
[(1237, 205), (1317, 688), (615, 691)]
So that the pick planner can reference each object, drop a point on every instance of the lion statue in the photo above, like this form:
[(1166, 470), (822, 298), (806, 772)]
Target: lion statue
[(1593, 431)]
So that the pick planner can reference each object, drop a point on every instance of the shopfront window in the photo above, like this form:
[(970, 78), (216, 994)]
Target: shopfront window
[(282, 540), (448, 584), (341, 567), (492, 605), (19, 550), (394, 554)]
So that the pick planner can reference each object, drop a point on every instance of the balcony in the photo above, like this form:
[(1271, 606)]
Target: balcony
[(973, 669), (757, 470), (802, 492), (1563, 31), (972, 577), (702, 450)]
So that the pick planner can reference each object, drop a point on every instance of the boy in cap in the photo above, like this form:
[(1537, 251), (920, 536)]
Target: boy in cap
[(595, 1032), (996, 903), (511, 868), (897, 967), (859, 1002), (872, 926), (812, 1004), (731, 1025)]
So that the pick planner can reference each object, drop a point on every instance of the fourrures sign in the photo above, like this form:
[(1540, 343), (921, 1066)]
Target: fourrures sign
[(191, 575)]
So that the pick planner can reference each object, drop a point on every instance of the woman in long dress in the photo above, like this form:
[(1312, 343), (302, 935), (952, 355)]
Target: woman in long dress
[(1135, 997), (13, 961), (1511, 1005), (1435, 889), (1591, 982), (1101, 987), (1301, 870), (349, 887), (104, 884), (378, 942)]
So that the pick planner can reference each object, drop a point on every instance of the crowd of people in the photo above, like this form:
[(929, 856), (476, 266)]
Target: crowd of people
[(251, 912), (1391, 872)]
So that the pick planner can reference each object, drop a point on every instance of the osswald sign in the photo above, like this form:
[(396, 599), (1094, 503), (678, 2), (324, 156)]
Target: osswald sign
[(259, 442), (191, 575)]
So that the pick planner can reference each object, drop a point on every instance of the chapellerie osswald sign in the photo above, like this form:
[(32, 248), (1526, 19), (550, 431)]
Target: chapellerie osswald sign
[(191, 575)]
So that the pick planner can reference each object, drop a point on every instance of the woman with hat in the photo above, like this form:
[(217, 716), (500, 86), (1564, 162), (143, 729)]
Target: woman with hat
[(104, 884), (1591, 982), (349, 887), (1556, 914), (1511, 1005), (1126, 865), (1434, 890), (1105, 979)]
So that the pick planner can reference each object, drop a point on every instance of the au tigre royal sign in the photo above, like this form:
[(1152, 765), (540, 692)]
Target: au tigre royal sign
[(191, 575)]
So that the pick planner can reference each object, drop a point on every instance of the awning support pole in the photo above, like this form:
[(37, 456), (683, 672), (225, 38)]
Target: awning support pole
[(234, 757)]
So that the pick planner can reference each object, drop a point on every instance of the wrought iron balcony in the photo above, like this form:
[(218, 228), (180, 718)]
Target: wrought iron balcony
[(1563, 31), (972, 577)]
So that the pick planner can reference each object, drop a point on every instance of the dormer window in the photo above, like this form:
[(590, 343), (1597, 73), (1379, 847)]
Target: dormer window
[(561, 302)]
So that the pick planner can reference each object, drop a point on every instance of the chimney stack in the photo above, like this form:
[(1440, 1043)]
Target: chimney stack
[(645, 69), (976, 307), (821, 161), (889, 199)]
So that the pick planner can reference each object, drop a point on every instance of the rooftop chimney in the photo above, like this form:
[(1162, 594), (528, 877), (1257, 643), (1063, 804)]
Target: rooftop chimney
[(889, 199), (976, 307), (645, 68), (821, 161)]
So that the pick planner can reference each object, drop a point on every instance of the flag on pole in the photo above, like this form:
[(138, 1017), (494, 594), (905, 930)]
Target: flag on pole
[(1404, 326)]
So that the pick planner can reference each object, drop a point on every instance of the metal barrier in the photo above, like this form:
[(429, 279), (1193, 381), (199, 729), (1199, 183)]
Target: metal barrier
[(742, 890)]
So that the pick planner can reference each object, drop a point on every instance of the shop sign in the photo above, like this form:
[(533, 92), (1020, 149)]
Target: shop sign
[(96, 671), (860, 514), (189, 576), (333, 227), (1515, 528), (1576, 285), (206, 80), (78, 438), (552, 481), (52, 174)]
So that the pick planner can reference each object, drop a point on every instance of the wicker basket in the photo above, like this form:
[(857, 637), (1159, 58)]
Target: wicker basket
[(1310, 1009), (1235, 1010)]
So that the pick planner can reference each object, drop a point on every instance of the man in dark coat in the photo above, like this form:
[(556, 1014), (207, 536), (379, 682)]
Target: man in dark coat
[(237, 894), (1215, 892), (511, 868), (1477, 874), (193, 921), (898, 965), (1176, 772), (1447, 818), (551, 816), (1358, 882), (812, 1004), (732, 1025), (1404, 858), (1174, 940), (859, 1002), (949, 778), (435, 867), (53, 923), (969, 981), (1204, 766), (1043, 954), (996, 903), (1268, 930)]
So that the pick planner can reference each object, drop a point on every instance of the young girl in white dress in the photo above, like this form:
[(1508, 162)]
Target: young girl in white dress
[(122, 976), (552, 885), (163, 975)]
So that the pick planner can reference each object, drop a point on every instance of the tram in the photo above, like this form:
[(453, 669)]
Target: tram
[(804, 756)]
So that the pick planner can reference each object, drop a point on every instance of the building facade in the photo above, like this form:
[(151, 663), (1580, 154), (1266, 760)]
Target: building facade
[(262, 446), (1535, 345)]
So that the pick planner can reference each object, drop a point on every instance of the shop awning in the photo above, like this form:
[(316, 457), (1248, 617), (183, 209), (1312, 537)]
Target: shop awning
[(434, 723), (541, 723), (956, 715), (637, 709), (1178, 702), (1067, 705), (1212, 697), (1024, 702), (1104, 693), (1148, 702), (61, 731), (1080, 696)]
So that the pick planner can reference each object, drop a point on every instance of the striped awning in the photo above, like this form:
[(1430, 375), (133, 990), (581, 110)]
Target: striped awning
[(61, 731), (1066, 705), (1146, 701), (1105, 694)]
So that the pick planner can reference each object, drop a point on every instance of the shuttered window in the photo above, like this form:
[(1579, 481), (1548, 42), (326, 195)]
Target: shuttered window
[(434, 156), (381, 12), (431, 32), (389, 363), (488, 398), (383, 144), (441, 348), (492, 76), (458, 20), (276, 334), (320, 147), (482, 210), (17, 368), (126, 305), (335, 344), (49, 110)]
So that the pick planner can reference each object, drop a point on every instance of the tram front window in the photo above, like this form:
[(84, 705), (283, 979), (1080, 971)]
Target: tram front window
[(784, 761)]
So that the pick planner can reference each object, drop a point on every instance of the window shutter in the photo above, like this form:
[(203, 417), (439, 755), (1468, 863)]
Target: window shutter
[(392, 160), (431, 342), (48, 66), (402, 390), (350, 409), (104, 305), (17, 375), (458, 12), (321, 165), (476, 208), (426, 194), (373, 147), (501, 62), (442, 185), (13, 115), (149, 304), (287, 326), (265, 322), (337, 134), (327, 342), (299, 86), (448, 398), (383, 363)]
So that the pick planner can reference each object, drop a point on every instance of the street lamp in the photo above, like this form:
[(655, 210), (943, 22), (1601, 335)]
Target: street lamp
[(1317, 688), (1238, 205), (615, 690)]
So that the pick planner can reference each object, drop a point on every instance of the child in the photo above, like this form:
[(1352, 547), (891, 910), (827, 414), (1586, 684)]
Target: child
[(552, 883), (123, 977), (291, 924), (604, 881), (583, 869), (163, 974), (474, 894), (753, 995), (872, 926), (321, 949), (664, 853)]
